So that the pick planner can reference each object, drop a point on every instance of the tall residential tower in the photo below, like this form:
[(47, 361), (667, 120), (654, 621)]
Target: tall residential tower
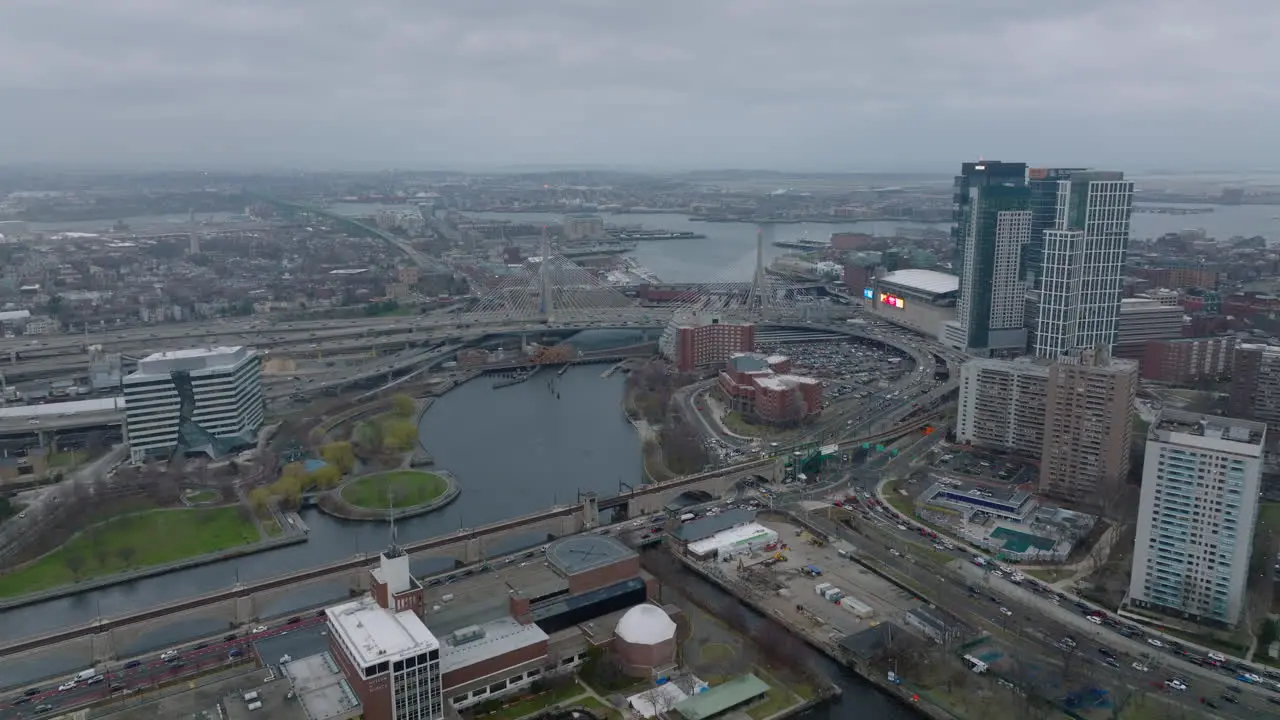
[(1082, 254), (1201, 479), (992, 226)]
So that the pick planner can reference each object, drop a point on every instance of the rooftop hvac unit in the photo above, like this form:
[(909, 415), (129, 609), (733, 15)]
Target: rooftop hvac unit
[(471, 633)]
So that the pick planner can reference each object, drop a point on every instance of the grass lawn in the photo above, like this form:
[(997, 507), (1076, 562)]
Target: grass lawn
[(67, 459), (272, 528), (740, 425), (201, 497), (134, 541), (599, 708), (406, 488), (1049, 575), (898, 501), (534, 704)]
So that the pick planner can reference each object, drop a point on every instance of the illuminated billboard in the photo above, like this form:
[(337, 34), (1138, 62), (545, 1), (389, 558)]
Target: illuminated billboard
[(893, 301), (868, 293)]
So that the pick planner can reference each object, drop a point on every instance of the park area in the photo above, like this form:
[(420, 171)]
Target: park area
[(131, 542), (396, 489)]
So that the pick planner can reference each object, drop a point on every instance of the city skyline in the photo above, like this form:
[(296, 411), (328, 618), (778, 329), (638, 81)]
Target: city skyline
[(396, 84)]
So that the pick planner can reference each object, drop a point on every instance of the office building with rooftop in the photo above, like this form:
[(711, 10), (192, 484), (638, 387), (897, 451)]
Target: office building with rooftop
[(1002, 405), (1082, 258), (992, 225), (1201, 484), (413, 650), (694, 342), (206, 400)]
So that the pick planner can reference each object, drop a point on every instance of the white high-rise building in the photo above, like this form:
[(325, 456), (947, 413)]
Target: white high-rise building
[(1002, 404), (1082, 270), (1201, 481), (209, 400)]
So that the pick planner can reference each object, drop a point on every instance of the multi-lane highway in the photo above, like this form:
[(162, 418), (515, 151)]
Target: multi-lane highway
[(137, 676)]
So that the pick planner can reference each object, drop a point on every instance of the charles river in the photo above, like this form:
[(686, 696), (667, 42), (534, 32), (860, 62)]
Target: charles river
[(514, 450)]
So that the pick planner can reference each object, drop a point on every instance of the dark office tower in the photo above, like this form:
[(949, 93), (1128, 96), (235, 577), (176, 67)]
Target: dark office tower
[(1044, 211), (992, 224)]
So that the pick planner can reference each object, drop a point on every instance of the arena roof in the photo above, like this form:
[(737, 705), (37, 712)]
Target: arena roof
[(580, 553), (929, 281)]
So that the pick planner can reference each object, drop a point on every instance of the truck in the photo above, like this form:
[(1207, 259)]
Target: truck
[(857, 607), (821, 588), (833, 594), (86, 675), (687, 517)]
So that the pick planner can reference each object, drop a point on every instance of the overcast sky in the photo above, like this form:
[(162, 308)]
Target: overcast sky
[(869, 85)]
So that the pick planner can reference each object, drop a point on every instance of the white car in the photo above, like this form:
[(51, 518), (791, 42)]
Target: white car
[(68, 685), (168, 655), (1217, 657), (1176, 685), (260, 629), (1140, 667), (1251, 678), (1154, 643), (1006, 611)]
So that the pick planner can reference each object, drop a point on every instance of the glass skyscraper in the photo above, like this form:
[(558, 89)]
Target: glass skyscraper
[(1081, 255), (992, 217)]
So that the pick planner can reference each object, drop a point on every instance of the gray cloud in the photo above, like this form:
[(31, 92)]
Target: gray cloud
[(823, 84)]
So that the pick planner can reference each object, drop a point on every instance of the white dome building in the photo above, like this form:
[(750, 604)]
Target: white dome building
[(645, 639)]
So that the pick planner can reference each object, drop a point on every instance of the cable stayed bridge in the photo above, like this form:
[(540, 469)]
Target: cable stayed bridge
[(554, 290)]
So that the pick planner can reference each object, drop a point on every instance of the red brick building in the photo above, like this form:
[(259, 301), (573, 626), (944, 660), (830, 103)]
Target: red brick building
[(764, 390), (1188, 361), (852, 241), (705, 342)]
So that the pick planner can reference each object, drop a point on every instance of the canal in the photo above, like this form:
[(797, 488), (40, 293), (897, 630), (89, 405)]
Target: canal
[(514, 450)]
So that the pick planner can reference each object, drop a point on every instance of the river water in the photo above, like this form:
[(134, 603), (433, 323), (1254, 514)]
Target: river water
[(514, 450)]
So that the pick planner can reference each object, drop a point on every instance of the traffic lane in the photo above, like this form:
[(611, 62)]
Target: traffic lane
[(1070, 617), (1039, 639), (196, 658)]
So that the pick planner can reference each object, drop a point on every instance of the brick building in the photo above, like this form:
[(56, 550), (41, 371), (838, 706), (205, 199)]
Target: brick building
[(405, 648), (1187, 361), (763, 389), (704, 342)]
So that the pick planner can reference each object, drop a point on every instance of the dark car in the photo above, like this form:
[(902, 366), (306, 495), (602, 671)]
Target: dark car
[(177, 664), (1107, 651), (117, 687), (229, 637), (235, 653), (320, 612), (132, 664), (44, 708), (21, 701), (31, 691), (294, 620), (1231, 698), (202, 646)]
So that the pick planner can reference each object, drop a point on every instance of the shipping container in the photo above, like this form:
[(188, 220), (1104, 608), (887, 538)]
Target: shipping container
[(821, 587), (856, 607)]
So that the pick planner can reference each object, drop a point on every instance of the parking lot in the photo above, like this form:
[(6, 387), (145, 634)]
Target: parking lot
[(802, 603)]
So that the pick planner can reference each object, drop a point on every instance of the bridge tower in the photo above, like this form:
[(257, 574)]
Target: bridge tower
[(759, 281), (546, 283)]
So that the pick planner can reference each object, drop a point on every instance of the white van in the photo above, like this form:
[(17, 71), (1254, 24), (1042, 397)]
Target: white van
[(85, 675)]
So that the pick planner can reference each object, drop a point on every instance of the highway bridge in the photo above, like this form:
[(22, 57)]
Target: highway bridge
[(466, 545)]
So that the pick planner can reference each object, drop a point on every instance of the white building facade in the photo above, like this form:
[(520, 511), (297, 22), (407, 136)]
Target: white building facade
[(1083, 264), (1201, 484), (217, 389)]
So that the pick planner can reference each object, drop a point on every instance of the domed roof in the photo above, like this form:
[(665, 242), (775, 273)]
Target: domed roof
[(646, 625)]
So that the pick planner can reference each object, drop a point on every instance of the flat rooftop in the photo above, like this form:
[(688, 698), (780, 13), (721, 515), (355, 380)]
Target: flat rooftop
[(581, 553), (490, 639), (1212, 427), (1008, 495), (70, 408), (190, 359), (720, 539), (319, 685), (373, 634), (486, 596)]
